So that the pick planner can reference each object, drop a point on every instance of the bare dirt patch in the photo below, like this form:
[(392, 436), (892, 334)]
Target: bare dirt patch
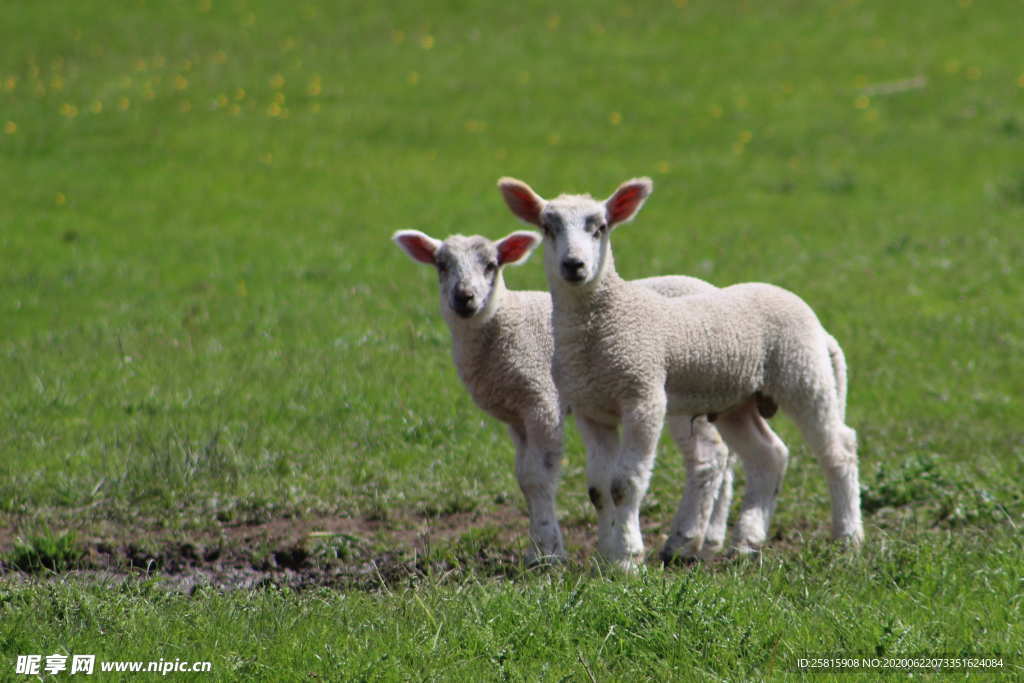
[(339, 552), (347, 553)]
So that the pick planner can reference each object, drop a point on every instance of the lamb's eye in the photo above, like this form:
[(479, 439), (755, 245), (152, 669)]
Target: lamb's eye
[(490, 267), (442, 268)]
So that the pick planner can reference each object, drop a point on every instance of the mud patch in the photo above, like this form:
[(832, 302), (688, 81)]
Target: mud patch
[(337, 552), (344, 553)]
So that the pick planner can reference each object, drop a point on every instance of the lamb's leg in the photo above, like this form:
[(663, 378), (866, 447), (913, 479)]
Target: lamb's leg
[(835, 446), (764, 458), (641, 428), (714, 539), (706, 458), (602, 444), (538, 464)]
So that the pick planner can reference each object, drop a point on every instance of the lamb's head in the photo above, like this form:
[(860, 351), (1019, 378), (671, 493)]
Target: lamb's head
[(468, 268), (576, 227)]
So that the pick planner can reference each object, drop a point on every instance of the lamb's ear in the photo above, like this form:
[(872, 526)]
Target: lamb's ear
[(524, 202), (419, 246), (516, 248), (627, 200)]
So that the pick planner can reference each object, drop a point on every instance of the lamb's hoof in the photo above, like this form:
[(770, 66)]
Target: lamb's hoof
[(678, 558), (627, 564), (711, 550), (539, 561), (744, 551), (682, 550), (630, 565), (544, 555), (851, 542)]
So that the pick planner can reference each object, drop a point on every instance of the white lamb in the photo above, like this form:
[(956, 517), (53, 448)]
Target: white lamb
[(502, 346), (625, 356)]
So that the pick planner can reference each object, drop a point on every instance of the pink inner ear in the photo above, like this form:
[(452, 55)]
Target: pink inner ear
[(514, 247), (625, 203), (419, 248), (522, 202)]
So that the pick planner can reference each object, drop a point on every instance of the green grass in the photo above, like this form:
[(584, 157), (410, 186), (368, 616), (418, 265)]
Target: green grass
[(203, 322), (56, 552), (739, 621)]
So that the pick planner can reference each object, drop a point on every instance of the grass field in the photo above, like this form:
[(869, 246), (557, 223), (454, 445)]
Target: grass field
[(233, 429)]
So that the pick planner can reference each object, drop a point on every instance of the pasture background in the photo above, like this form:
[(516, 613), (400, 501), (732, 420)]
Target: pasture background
[(206, 330)]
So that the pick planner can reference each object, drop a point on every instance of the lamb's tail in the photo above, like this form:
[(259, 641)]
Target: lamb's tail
[(835, 354)]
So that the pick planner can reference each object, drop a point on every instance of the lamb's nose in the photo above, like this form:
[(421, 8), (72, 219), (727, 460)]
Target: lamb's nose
[(572, 268), (463, 303)]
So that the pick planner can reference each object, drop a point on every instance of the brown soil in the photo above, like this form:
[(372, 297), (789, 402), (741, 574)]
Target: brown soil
[(348, 553), (328, 551)]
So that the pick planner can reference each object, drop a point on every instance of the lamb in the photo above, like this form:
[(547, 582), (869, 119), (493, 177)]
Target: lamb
[(502, 346), (625, 355)]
